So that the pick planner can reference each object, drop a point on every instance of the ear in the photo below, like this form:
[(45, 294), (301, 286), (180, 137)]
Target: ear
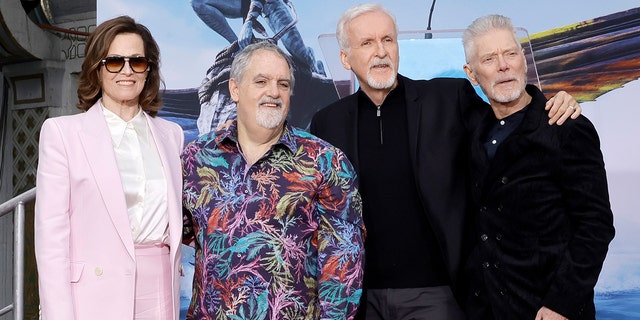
[(233, 89), (526, 65), (343, 58), (470, 74)]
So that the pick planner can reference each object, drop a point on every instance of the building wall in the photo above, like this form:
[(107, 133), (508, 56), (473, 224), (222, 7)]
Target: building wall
[(36, 91)]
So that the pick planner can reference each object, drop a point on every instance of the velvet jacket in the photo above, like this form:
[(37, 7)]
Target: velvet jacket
[(543, 219)]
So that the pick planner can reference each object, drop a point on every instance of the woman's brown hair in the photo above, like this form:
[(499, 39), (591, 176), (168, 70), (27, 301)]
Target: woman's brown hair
[(89, 86)]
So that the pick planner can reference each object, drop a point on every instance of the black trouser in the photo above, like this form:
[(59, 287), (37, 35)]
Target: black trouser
[(429, 303)]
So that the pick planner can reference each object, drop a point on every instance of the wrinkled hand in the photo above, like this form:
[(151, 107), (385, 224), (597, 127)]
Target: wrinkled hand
[(547, 314), (561, 107)]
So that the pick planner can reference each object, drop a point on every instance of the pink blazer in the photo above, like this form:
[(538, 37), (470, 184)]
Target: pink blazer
[(83, 243)]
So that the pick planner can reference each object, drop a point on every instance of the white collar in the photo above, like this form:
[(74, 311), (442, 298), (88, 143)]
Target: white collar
[(117, 126)]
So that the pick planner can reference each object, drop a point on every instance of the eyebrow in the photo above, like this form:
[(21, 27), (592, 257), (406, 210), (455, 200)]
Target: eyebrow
[(262, 75)]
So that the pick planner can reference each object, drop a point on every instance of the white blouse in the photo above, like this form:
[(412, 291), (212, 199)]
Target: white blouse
[(143, 180)]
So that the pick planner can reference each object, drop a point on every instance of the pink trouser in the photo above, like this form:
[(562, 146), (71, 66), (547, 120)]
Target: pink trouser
[(153, 283)]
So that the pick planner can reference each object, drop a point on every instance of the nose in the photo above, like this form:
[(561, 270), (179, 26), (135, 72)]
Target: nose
[(273, 89), (126, 69), (502, 63), (381, 49)]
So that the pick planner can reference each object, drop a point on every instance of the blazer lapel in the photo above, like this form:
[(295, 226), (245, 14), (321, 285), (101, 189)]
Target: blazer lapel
[(101, 158), (479, 159), (170, 160), (352, 117), (414, 110), (513, 147), (349, 132)]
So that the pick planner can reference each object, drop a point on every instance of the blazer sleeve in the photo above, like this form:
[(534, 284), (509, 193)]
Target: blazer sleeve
[(52, 225), (584, 186)]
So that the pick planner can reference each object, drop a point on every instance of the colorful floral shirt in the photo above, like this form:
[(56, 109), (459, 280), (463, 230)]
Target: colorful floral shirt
[(280, 239)]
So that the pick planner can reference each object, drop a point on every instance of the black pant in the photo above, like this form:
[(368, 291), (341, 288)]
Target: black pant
[(429, 303)]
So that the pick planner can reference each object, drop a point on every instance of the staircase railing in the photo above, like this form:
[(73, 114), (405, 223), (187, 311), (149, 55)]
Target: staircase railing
[(16, 205)]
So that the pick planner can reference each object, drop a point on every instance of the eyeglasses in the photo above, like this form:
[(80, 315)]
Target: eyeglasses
[(115, 64)]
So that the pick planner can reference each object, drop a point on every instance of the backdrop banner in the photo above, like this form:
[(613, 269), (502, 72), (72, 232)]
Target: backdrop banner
[(583, 47)]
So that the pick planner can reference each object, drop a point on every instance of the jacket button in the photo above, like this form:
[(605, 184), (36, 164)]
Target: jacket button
[(504, 180), (499, 236), (98, 271), (483, 209), (485, 265), (500, 206), (484, 237)]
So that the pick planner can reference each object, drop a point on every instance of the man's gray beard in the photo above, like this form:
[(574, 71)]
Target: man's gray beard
[(270, 118), (508, 97), (386, 84), (512, 95)]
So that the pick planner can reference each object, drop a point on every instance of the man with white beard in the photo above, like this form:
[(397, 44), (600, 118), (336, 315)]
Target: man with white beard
[(544, 221), (408, 141), (274, 212)]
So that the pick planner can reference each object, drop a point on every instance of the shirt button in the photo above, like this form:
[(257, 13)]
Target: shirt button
[(494, 141), (502, 122), (484, 237), (98, 271), (246, 191)]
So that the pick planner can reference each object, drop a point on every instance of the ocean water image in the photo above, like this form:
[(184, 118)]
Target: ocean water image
[(618, 289), (618, 305)]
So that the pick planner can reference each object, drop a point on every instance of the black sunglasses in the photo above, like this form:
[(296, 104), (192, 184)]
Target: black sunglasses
[(115, 64)]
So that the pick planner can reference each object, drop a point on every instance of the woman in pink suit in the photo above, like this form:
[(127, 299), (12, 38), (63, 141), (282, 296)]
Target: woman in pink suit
[(108, 213)]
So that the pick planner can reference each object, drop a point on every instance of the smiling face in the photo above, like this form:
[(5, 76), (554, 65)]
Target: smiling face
[(373, 50), (262, 95), (123, 88), (499, 66)]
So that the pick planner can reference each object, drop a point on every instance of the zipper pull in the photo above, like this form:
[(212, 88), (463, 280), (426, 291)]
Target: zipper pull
[(379, 122)]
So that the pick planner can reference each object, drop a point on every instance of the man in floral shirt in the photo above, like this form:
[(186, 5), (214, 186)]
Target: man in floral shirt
[(273, 211)]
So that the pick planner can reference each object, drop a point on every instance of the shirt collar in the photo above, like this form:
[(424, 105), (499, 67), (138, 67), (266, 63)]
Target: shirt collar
[(231, 134), (117, 126)]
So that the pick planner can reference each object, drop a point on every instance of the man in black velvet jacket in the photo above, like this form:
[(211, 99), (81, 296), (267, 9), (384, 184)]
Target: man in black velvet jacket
[(409, 142), (544, 221)]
